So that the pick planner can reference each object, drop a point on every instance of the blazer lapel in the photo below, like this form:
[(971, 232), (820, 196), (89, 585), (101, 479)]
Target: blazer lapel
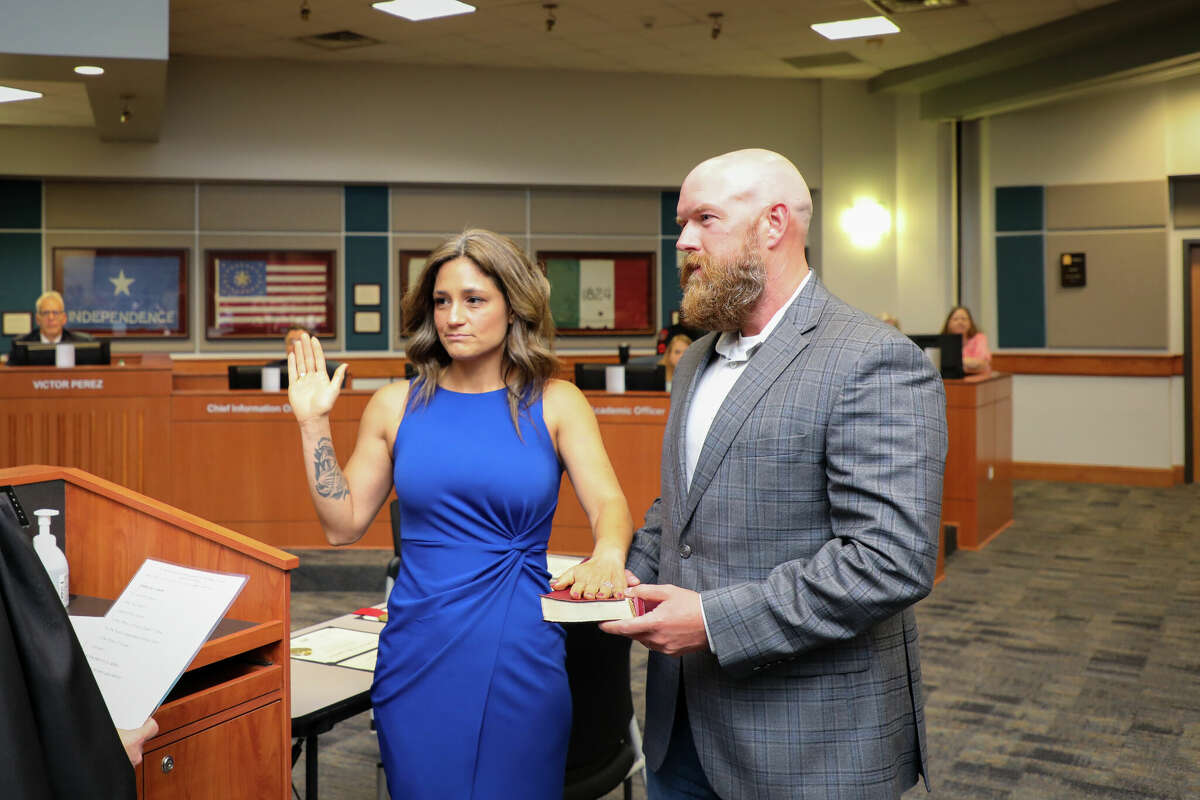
[(684, 382), (773, 356)]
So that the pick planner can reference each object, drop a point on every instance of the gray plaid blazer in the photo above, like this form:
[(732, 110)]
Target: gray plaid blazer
[(810, 529)]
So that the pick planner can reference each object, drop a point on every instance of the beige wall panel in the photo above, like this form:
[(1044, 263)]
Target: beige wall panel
[(133, 206), (270, 207), (446, 210), (614, 244), (1186, 202), (1125, 301), (593, 211), (1106, 205)]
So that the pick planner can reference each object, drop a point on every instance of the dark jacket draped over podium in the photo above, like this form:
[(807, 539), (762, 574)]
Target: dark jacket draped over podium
[(55, 731)]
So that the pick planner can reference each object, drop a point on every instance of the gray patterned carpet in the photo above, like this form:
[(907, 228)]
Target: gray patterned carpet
[(1063, 661)]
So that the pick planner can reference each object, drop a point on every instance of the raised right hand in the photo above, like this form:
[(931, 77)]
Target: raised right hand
[(311, 392)]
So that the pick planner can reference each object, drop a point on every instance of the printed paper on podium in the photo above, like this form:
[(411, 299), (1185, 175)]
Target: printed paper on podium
[(152, 632)]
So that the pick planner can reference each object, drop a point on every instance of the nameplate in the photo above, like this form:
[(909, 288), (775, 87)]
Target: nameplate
[(248, 408), (629, 411), (68, 384)]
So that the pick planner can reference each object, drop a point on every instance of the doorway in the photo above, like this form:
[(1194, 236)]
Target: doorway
[(1191, 357)]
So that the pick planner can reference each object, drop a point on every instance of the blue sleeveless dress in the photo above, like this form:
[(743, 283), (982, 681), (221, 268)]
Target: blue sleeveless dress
[(470, 693)]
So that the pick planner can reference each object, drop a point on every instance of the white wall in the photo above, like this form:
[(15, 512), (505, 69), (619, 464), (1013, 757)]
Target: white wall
[(1095, 420), (1102, 138), (924, 219), (858, 159), (1147, 132), (279, 120)]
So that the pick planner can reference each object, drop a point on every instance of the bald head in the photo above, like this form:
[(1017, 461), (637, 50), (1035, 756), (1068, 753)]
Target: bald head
[(757, 179)]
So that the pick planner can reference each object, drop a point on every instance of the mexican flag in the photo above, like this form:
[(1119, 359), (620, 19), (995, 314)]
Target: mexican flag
[(599, 293)]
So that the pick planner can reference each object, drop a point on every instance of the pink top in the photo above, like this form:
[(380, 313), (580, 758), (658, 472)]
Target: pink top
[(977, 347)]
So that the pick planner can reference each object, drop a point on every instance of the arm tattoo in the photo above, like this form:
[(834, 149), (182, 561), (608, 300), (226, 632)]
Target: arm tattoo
[(330, 482)]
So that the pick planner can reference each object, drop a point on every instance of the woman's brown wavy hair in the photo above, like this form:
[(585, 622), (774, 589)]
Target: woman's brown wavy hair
[(528, 361)]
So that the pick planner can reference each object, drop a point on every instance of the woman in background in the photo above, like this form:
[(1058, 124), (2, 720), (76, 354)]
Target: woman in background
[(675, 350), (975, 353), (470, 692)]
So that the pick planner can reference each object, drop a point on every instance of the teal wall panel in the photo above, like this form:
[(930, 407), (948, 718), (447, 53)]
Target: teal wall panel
[(1019, 208), (1020, 291), (671, 294), (367, 262), (366, 209), (20, 204), (21, 268)]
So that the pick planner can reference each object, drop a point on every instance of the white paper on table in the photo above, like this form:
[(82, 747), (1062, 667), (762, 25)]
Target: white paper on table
[(152, 632), (331, 645), (364, 661)]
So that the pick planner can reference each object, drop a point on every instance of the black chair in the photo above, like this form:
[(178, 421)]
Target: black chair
[(393, 567), (602, 750)]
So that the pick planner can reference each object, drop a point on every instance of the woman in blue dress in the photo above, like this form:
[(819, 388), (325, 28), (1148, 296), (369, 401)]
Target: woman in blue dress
[(470, 694)]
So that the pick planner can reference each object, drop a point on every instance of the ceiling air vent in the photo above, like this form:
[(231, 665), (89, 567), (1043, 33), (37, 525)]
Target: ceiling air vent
[(337, 40), (905, 6)]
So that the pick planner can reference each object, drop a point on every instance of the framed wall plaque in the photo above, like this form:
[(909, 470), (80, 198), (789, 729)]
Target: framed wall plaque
[(261, 293), (117, 292), (601, 293)]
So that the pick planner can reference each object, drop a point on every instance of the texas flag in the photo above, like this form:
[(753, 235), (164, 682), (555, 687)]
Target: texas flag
[(599, 293)]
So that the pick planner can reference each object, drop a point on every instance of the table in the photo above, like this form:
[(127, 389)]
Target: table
[(325, 694)]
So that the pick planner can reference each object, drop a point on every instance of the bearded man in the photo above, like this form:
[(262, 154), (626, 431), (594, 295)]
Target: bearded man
[(797, 522)]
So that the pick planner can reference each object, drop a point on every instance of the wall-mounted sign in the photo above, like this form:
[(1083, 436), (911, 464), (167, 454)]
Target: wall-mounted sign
[(1073, 270)]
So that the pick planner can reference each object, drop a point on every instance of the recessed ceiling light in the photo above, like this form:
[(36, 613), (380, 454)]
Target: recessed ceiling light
[(89, 70), (854, 28), (10, 95), (417, 10)]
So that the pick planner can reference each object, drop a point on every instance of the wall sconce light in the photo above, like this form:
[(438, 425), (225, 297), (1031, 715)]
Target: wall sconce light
[(126, 114), (716, 26), (550, 18), (305, 10), (866, 222)]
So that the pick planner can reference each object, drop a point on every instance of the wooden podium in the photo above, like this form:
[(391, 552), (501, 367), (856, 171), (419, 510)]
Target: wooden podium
[(977, 493), (224, 730)]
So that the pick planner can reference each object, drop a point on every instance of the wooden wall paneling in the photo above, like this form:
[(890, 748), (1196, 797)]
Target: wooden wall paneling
[(256, 482), (1108, 365), (112, 422), (631, 426)]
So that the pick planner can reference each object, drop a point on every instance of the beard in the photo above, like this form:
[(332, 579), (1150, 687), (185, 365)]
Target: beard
[(718, 294)]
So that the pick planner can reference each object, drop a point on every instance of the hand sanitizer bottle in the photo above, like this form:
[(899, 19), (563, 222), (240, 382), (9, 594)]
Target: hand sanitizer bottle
[(52, 558)]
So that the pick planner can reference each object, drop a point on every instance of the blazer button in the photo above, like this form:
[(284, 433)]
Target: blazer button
[(685, 550)]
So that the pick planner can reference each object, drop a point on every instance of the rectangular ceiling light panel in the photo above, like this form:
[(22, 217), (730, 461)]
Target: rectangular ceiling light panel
[(855, 28), (417, 10), (10, 95)]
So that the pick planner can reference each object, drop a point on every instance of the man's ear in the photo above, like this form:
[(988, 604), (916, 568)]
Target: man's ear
[(777, 217)]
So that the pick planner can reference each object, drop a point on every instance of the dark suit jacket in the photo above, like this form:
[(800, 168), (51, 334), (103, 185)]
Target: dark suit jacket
[(68, 335), (809, 529), (55, 730)]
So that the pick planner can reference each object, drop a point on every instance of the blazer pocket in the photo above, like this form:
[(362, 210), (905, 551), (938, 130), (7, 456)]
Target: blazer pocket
[(835, 659), (775, 448)]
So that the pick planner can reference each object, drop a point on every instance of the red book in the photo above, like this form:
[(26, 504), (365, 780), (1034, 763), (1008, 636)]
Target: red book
[(561, 607)]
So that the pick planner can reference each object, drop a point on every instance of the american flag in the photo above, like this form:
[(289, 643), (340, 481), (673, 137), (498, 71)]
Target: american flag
[(268, 294)]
